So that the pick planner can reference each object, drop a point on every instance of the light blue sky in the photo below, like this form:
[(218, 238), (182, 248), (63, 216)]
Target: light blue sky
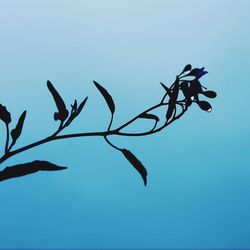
[(199, 171)]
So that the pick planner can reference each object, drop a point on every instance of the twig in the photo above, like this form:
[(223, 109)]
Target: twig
[(65, 118)]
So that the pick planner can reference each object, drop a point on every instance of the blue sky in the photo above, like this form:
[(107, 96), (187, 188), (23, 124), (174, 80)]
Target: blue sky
[(199, 172)]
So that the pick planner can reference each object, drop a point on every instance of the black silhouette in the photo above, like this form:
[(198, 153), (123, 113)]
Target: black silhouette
[(137, 164), (177, 98), (28, 168)]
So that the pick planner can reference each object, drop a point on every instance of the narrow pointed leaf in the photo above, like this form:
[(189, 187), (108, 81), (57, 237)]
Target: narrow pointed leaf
[(82, 104), (74, 105), (28, 168), (173, 99), (149, 116), (62, 113), (170, 111), (16, 132), (106, 96), (166, 88), (136, 164)]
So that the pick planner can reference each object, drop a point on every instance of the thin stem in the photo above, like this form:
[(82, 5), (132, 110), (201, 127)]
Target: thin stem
[(49, 139), (163, 98), (154, 126), (11, 145), (60, 128), (156, 130), (55, 136), (7, 138), (111, 144), (111, 121), (138, 116)]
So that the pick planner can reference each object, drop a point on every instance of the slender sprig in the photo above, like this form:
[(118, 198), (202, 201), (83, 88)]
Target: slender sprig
[(176, 100)]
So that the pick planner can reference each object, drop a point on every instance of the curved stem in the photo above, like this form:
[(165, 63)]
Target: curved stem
[(111, 144), (154, 126), (156, 130), (138, 116)]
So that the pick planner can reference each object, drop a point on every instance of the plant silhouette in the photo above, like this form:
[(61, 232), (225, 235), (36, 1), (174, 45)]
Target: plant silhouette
[(177, 98)]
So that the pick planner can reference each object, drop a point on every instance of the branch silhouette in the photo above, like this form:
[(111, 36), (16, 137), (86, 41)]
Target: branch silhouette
[(176, 100)]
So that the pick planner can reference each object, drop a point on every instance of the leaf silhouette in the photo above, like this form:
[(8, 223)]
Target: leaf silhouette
[(16, 132), (106, 96), (173, 99), (28, 168), (74, 106), (209, 93), (204, 105), (194, 72), (136, 164), (187, 68), (82, 104), (5, 114), (62, 113), (149, 116)]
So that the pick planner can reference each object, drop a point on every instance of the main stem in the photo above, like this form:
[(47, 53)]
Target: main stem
[(104, 134)]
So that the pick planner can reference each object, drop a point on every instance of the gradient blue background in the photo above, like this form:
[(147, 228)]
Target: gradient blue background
[(198, 195)]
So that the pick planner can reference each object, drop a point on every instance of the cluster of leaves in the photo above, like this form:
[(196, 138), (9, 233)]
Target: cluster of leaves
[(192, 88), (15, 133), (188, 82), (185, 91), (62, 114)]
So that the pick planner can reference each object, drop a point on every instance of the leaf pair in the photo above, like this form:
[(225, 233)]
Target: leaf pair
[(75, 111), (16, 132), (63, 112), (129, 156), (5, 116)]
